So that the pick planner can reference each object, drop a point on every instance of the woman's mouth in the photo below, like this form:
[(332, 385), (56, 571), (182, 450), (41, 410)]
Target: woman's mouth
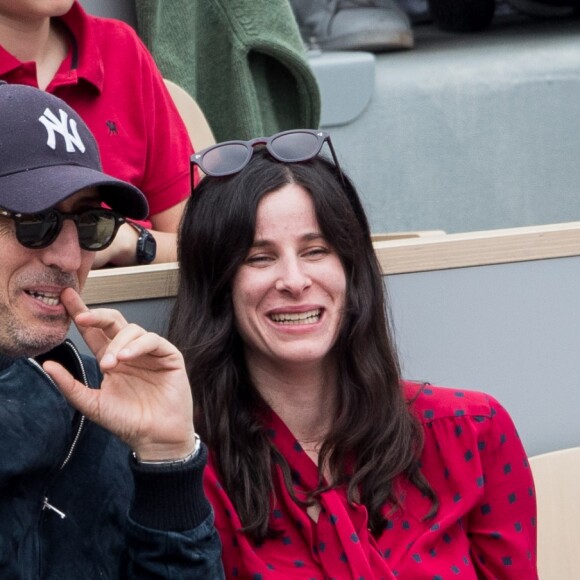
[(309, 317)]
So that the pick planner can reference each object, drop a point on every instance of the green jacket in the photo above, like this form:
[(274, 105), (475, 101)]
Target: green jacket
[(242, 60)]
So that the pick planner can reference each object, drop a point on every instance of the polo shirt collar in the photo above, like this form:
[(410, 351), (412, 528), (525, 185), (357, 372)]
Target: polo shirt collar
[(86, 59), (7, 62)]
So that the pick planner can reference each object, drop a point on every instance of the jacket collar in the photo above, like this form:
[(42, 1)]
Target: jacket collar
[(6, 361), (64, 353)]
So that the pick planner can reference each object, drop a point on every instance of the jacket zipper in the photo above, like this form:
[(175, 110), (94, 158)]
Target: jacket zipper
[(86, 383), (82, 419), (46, 504)]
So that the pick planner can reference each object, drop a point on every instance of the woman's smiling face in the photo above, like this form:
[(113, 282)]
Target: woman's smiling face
[(289, 293)]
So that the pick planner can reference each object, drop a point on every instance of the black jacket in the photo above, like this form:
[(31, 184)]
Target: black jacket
[(74, 504)]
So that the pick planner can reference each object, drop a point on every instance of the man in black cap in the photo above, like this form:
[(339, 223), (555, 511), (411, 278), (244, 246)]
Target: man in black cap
[(100, 466)]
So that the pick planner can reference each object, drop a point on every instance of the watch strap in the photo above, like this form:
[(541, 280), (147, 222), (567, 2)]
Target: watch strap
[(146, 248)]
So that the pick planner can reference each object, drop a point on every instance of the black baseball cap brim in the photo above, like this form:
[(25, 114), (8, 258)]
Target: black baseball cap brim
[(38, 189)]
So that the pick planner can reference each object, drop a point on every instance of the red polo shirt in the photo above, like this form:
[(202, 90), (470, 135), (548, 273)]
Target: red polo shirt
[(112, 81)]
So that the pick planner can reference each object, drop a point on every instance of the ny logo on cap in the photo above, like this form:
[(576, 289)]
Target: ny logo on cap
[(65, 127)]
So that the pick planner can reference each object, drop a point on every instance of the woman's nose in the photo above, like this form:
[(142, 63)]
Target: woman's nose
[(293, 276)]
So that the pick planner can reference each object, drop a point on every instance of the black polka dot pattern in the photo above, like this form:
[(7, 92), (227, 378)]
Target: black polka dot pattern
[(485, 527)]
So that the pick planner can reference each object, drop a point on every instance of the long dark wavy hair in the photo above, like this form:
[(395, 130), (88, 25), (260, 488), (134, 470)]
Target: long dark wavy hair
[(374, 437)]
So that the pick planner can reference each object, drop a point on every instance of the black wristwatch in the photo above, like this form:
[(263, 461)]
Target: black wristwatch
[(146, 244)]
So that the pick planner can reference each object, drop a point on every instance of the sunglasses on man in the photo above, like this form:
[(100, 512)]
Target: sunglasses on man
[(96, 227)]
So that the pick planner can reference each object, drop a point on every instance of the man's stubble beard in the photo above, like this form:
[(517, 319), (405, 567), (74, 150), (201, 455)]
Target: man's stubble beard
[(18, 339)]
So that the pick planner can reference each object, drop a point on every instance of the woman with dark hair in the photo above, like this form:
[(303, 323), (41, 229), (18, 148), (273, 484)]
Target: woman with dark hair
[(324, 462)]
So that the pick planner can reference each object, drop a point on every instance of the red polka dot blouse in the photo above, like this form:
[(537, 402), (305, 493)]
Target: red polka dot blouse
[(484, 528)]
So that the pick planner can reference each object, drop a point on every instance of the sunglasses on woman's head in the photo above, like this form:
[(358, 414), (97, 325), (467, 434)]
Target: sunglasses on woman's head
[(96, 227), (293, 146)]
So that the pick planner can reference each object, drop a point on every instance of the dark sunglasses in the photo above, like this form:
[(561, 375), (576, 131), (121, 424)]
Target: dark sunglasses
[(96, 227), (293, 146)]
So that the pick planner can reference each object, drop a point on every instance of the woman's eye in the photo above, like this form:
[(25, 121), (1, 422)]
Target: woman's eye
[(258, 259), (317, 252)]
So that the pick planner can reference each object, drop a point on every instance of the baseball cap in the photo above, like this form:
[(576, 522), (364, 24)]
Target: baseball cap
[(47, 153)]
